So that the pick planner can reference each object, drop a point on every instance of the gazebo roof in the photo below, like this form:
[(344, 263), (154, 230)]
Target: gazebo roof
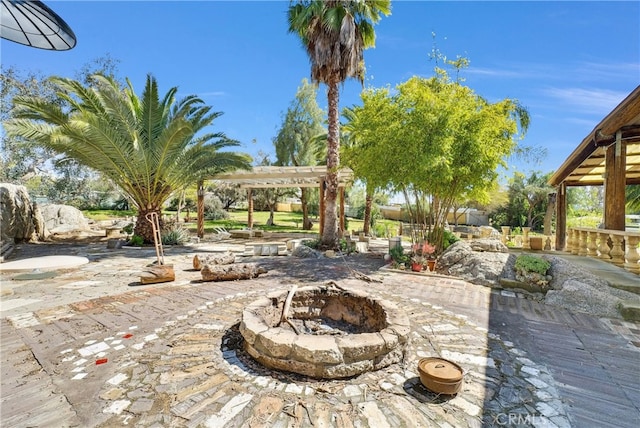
[(586, 165), (283, 176)]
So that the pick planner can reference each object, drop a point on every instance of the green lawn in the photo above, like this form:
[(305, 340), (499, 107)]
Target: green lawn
[(284, 221)]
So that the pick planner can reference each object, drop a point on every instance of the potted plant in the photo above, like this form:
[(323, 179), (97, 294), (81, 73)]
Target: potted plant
[(421, 255), (417, 262)]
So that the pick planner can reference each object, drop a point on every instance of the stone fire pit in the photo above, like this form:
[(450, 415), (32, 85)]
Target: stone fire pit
[(340, 333)]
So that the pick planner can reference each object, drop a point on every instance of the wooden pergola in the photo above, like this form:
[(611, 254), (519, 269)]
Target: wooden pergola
[(608, 156), (271, 177)]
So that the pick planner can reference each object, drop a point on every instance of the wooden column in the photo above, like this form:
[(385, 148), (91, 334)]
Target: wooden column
[(321, 208), (200, 192), (614, 184), (561, 217), (250, 209), (341, 210)]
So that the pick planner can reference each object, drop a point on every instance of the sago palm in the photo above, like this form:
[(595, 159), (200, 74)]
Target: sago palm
[(335, 34), (149, 146)]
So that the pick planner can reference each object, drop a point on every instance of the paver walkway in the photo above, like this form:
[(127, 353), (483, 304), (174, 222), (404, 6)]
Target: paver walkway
[(86, 348)]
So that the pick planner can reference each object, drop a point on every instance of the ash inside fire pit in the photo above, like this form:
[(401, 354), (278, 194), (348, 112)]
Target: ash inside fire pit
[(333, 333), (324, 326)]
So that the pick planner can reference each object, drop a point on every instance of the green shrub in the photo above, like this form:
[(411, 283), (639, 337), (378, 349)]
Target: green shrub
[(529, 263), (397, 255), (380, 230), (311, 243), (214, 209), (448, 239), (128, 229), (136, 241), (345, 247)]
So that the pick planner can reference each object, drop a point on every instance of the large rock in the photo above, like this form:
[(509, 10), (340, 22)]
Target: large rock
[(580, 296), (16, 221), (305, 252), (482, 261), (38, 222), (562, 271), (63, 219), (489, 245)]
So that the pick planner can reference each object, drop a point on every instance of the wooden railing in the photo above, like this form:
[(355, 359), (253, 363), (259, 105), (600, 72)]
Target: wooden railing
[(614, 246)]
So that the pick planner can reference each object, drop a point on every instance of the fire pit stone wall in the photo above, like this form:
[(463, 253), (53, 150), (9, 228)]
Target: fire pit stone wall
[(326, 356)]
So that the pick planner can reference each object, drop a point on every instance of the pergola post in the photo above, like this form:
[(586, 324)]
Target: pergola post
[(200, 191), (249, 208), (614, 184), (342, 228), (561, 217), (321, 208)]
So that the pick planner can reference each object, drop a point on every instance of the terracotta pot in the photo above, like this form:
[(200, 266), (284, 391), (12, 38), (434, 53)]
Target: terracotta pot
[(432, 265), (416, 267), (440, 376)]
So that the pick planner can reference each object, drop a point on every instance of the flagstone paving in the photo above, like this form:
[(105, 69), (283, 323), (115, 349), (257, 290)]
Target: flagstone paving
[(96, 351)]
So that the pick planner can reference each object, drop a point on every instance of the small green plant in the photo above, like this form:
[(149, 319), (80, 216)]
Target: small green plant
[(347, 247), (448, 239), (529, 263), (128, 229), (311, 243), (175, 235), (398, 256), (136, 241)]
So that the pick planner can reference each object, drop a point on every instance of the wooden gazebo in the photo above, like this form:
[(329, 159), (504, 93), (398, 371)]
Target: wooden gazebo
[(608, 156), (284, 176)]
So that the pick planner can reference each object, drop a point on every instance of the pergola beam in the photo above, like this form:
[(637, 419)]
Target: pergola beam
[(271, 177), (312, 184)]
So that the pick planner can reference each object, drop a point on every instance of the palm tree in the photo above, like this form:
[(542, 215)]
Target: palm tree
[(335, 34), (633, 198), (148, 146)]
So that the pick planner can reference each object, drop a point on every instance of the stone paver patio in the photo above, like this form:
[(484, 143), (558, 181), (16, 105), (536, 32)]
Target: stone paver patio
[(89, 347)]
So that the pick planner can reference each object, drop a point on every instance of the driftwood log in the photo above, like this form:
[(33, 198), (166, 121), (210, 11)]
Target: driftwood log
[(199, 260), (231, 272), (158, 273)]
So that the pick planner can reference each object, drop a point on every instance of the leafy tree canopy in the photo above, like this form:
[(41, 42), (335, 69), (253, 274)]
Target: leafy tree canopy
[(296, 143), (433, 139), (150, 146), (40, 169)]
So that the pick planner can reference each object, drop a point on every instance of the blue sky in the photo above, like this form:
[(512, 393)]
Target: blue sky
[(569, 63)]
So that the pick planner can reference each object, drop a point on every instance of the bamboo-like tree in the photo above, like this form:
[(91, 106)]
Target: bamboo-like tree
[(363, 127), (335, 34), (149, 146), (297, 142)]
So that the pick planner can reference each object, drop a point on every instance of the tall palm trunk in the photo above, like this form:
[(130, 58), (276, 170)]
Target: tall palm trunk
[(329, 237), (367, 211), (200, 209), (307, 224), (143, 227)]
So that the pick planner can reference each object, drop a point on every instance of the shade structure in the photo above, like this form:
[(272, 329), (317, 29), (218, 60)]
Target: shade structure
[(32, 23)]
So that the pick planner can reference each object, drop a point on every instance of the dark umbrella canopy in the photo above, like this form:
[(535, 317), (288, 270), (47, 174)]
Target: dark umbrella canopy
[(32, 23)]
